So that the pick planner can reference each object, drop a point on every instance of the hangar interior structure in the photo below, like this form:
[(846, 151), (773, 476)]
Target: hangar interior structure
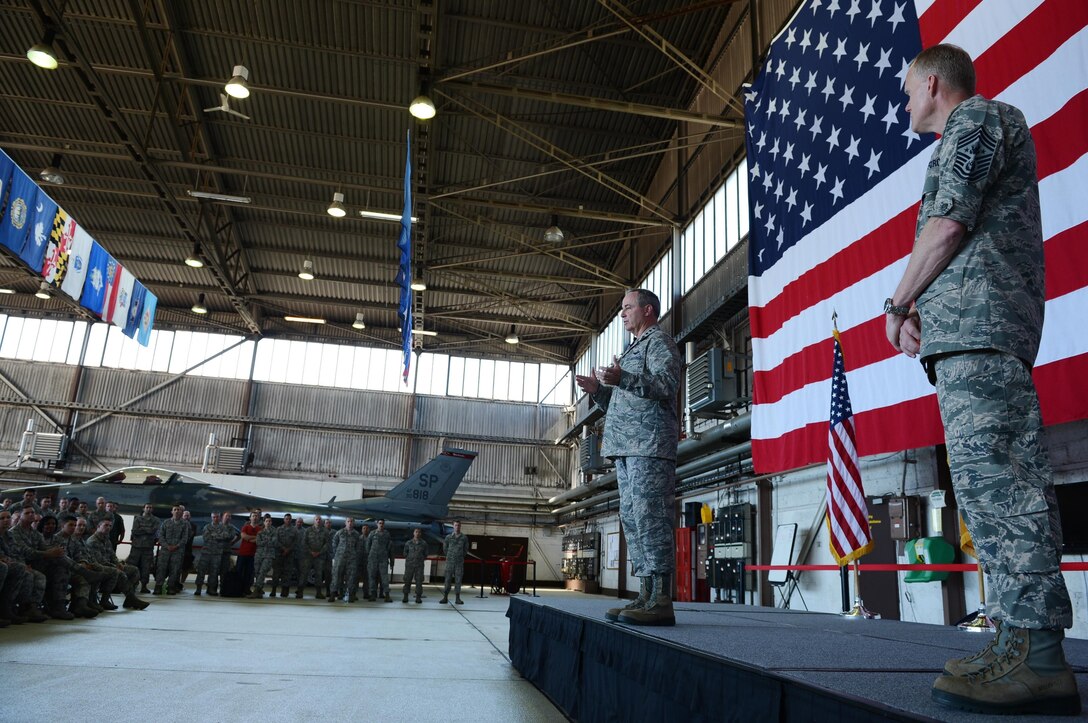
[(577, 150)]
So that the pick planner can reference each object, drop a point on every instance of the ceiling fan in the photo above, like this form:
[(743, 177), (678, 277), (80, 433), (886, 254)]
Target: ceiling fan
[(225, 108)]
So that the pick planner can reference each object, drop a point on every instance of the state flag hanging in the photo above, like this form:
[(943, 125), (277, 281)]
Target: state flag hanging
[(64, 228), (147, 318), (17, 210), (94, 288), (113, 278), (76, 263), (6, 167), (40, 223), (135, 310), (123, 298)]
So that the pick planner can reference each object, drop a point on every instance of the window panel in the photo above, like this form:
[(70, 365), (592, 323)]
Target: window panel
[(721, 244), (516, 390), (731, 210), (361, 372), (163, 343), (472, 377), (113, 355), (75, 347), (742, 198), (457, 376), (345, 366), (28, 339), (96, 345), (375, 368), (487, 379)]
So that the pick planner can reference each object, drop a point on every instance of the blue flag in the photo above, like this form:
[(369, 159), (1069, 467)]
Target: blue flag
[(404, 274), (6, 166), (135, 310), (94, 288), (42, 224), (147, 318), (17, 211)]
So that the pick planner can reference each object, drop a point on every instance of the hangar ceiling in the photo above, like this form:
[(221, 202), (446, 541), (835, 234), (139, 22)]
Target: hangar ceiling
[(549, 112)]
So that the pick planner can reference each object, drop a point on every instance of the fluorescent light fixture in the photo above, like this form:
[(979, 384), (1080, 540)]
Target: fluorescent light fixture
[(418, 284), (51, 173), (212, 196), (307, 273), (238, 85), (44, 292), (42, 54), (336, 208), (303, 320), (424, 332), (199, 307), (358, 323), (512, 337), (193, 260), (384, 216), (7, 291)]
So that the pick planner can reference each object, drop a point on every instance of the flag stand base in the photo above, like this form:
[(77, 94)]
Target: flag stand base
[(979, 624), (859, 612)]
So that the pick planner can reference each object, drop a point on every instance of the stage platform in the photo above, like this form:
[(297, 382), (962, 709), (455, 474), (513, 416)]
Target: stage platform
[(726, 662)]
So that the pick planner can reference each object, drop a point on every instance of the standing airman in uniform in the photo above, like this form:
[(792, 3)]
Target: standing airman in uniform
[(415, 553)]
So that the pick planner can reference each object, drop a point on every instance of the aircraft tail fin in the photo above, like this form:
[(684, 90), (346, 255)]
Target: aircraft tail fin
[(435, 482)]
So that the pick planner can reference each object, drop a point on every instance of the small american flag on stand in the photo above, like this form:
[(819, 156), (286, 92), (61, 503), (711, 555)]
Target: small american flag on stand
[(847, 515)]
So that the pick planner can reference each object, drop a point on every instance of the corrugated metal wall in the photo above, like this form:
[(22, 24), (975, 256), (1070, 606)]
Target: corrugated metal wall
[(300, 431)]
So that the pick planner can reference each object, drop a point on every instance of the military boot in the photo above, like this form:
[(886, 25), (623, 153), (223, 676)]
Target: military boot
[(92, 603), (613, 614), (157, 590), (1029, 677), (405, 598), (196, 592), (658, 609), (977, 661), (35, 614), (298, 594), (319, 595), (386, 598), (134, 603), (445, 599), (419, 600), (106, 603), (144, 590), (57, 611), (459, 601), (283, 592), (80, 608)]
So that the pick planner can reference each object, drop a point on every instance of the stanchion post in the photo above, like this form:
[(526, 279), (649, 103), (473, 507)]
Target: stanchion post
[(534, 577)]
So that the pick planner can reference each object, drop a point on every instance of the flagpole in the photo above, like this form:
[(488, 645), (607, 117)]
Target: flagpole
[(981, 623), (859, 611)]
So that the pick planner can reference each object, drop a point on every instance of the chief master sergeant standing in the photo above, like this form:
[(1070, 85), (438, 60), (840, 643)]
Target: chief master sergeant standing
[(975, 278), (641, 430)]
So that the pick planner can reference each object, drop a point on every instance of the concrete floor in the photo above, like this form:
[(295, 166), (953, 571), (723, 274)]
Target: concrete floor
[(217, 659)]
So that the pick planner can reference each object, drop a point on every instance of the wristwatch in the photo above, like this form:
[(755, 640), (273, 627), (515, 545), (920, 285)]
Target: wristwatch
[(890, 308)]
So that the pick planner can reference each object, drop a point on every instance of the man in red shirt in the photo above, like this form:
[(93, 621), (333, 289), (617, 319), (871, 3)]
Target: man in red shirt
[(247, 548)]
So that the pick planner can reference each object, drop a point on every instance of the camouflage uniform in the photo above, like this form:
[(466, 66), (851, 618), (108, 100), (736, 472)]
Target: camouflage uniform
[(454, 548), (641, 431), (268, 548), (286, 562), (95, 516), (379, 555), (171, 532), (80, 572), (215, 536), (343, 564), (33, 590), (361, 561), (100, 551), (314, 539), (142, 552), (415, 553), (30, 546), (982, 319)]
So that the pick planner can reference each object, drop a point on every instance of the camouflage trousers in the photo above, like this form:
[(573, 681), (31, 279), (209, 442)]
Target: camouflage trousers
[(141, 558), (1002, 479), (169, 567), (378, 577), (209, 564), (306, 563), (455, 572), (646, 500), (413, 573), (17, 585), (282, 569), (344, 571), (263, 564), (363, 577)]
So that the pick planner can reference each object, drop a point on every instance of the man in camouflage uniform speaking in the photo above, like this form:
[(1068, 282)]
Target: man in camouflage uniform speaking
[(641, 429), (975, 280)]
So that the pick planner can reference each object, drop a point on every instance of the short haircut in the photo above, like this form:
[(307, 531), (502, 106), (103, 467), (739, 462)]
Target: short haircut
[(950, 63), (649, 298), (63, 520)]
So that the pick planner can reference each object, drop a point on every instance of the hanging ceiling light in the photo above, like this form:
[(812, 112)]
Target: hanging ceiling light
[(424, 332), (553, 234), (304, 319), (42, 54), (512, 337), (336, 208), (193, 259), (199, 307), (423, 107), (215, 196), (44, 292), (384, 216), (418, 284), (358, 323), (51, 173), (307, 273), (238, 85), (6, 290)]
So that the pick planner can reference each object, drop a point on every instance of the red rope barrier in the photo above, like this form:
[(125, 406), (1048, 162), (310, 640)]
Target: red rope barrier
[(957, 567)]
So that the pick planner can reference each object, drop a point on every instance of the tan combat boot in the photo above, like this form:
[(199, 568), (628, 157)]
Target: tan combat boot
[(1030, 676), (977, 661), (657, 611), (613, 614)]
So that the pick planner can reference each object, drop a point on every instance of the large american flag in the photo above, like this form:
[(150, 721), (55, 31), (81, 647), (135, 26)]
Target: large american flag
[(847, 513), (835, 175)]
